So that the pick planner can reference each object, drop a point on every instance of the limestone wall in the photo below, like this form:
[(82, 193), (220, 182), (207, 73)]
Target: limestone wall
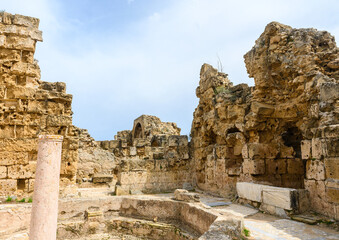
[(94, 163), (29, 107), (282, 132), (153, 160)]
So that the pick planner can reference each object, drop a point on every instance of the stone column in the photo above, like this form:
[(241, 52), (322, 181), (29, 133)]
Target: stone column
[(46, 189)]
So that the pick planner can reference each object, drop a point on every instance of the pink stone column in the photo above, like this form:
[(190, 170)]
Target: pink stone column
[(44, 215)]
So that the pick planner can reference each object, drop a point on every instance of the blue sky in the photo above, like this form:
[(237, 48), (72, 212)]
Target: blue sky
[(124, 58)]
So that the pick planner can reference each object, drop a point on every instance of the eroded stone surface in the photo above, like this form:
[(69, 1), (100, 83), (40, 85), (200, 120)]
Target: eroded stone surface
[(282, 132)]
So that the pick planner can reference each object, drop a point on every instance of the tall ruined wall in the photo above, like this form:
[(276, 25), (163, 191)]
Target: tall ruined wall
[(282, 132), (94, 162), (29, 107), (152, 157)]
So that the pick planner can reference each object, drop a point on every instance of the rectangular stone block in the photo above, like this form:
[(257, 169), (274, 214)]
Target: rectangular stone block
[(276, 166), (35, 34), (2, 41), (332, 168), (8, 187), (317, 148), (19, 145), (285, 198), (22, 43), (234, 171), (57, 121), (31, 185), (256, 150), (26, 21), (295, 166), (331, 147), (315, 169), (3, 172), (102, 178), (306, 146), (332, 194), (244, 151), (261, 150), (250, 191), (133, 151), (22, 171), (13, 158), (257, 166), (286, 152), (317, 194)]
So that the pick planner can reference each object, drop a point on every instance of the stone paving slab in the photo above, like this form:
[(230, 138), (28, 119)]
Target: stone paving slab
[(266, 227), (238, 210)]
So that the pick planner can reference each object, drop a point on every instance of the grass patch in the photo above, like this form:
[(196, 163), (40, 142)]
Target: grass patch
[(221, 89), (246, 232), (9, 199)]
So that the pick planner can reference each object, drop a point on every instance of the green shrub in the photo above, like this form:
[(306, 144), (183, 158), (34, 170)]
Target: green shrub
[(9, 199), (246, 232)]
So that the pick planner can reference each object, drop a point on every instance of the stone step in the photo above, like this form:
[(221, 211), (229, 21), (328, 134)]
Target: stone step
[(95, 192)]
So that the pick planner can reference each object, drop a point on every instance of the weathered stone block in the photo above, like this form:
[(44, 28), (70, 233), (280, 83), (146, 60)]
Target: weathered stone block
[(331, 147), (273, 210), (285, 198), (295, 166), (276, 166), (26, 21), (286, 152), (244, 151), (332, 194), (250, 191), (329, 90), (234, 171), (315, 169), (21, 43), (2, 41), (3, 172), (317, 148), (256, 150), (332, 168), (184, 195), (7, 187), (317, 194), (13, 158), (102, 178), (120, 191), (31, 185), (306, 146), (262, 109), (133, 151), (22, 171), (255, 167)]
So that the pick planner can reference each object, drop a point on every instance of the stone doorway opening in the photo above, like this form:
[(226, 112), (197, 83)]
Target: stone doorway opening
[(296, 167), (138, 131)]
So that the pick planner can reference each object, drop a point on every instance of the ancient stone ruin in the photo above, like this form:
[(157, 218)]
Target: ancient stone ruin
[(274, 146), (282, 132)]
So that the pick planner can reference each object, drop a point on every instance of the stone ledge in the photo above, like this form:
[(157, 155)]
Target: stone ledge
[(285, 198)]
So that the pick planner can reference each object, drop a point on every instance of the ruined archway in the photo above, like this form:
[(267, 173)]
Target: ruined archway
[(138, 131)]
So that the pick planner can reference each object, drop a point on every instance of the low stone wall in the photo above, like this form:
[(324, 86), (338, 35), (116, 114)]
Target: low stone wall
[(154, 218)]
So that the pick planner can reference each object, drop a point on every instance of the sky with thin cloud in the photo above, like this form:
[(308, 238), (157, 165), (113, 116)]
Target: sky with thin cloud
[(124, 58)]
